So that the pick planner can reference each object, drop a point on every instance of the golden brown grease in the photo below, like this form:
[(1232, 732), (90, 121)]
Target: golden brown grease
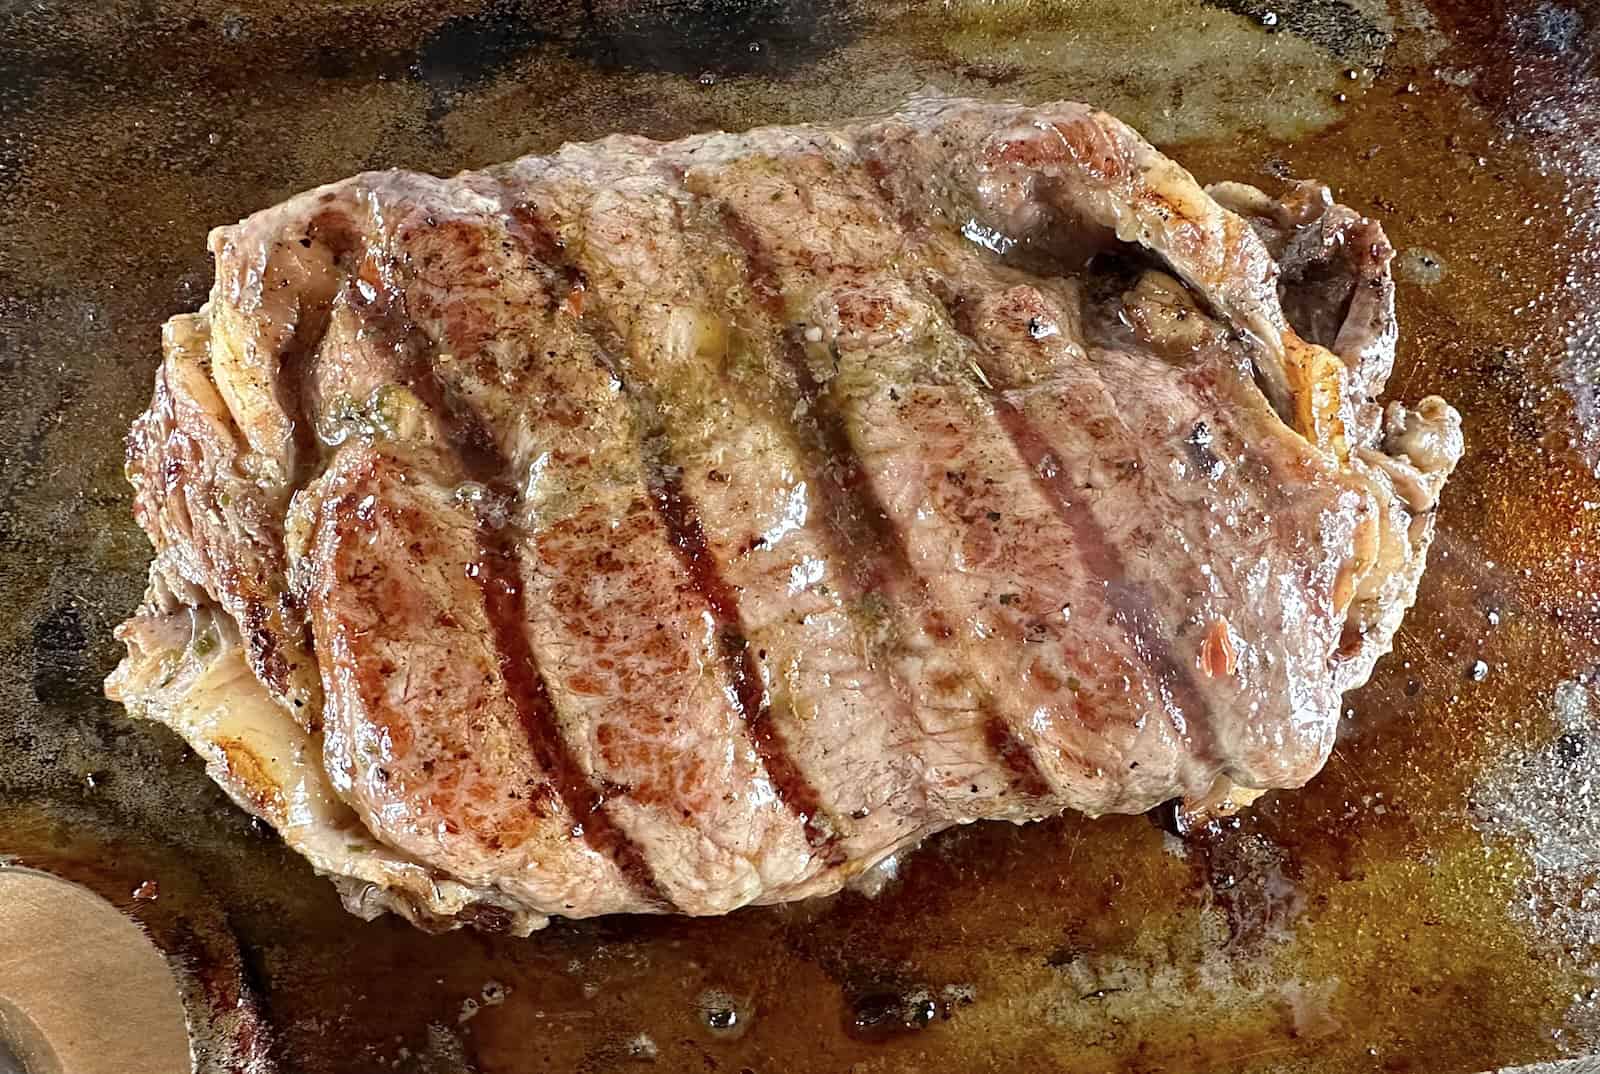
[(1376, 920)]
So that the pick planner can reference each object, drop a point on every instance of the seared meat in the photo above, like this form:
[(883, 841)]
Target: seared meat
[(671, 527)]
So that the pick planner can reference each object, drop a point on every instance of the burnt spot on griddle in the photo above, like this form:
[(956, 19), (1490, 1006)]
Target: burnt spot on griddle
[(1501, 381), (231, 984), (1341, 28), (992, 74), (470, 49), (340, 60), (487, 917), (879, 1015), (1169, 817), (62, 672), (882, 995), (33, 54), (1550, 30), (1570, 747), (767, 38)]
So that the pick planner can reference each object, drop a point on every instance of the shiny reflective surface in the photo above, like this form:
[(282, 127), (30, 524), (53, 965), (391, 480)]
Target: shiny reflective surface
[(1428, 903)]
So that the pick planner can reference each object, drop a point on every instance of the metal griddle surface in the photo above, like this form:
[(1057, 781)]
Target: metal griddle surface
[(1430, 903)]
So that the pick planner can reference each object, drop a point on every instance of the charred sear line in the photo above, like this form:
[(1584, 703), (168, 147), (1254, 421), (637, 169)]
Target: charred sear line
[(689, 541), (845, 491), (1338, 26), (499, 578), (842, 481), (474, 447), (1130, 602), (687, 536)]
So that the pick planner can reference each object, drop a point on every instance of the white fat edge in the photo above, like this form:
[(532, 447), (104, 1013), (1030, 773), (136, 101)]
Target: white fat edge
[(214, 702)]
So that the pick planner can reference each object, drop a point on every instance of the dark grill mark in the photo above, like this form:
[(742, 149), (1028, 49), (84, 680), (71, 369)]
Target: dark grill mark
[(847, 493), (1129, 601), (498, 578), (682, 521), (502, 602), (841, 479), (689, 541)]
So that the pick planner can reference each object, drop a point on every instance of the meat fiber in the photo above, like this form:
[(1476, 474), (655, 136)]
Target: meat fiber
[(672, 527)]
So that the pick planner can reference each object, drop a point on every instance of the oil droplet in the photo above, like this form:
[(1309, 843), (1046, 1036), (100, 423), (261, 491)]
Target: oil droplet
[(1479, 671), (708, 78), (724, 1015), (148, 891), (1421, 265), (922, 1012), (1269, 19), (879, 1015)]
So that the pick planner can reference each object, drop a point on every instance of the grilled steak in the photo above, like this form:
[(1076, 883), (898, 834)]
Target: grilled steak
[(671, 527)]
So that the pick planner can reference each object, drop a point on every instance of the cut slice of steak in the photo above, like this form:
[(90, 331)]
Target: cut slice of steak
[(658, 527)]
